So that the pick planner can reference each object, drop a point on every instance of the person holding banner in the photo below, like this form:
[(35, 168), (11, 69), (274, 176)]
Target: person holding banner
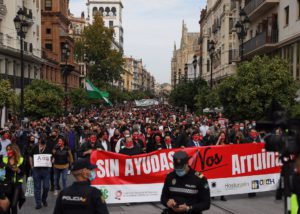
[(185, 190), (87, 147), (41, 163), (81, 197), (130, 147)]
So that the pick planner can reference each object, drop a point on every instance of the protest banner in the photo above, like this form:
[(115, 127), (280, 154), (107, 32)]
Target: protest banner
[(230, 169)]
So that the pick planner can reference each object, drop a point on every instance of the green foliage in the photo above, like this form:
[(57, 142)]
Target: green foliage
[(6, 93), (79, 98), (106, 64), (185, 94), (207, 98), (250, 92), (43, 99)]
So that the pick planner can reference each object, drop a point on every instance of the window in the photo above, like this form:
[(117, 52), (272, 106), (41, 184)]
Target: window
[(48, 31), (287, 15), (111, 24), (48, 5), (48, 46)]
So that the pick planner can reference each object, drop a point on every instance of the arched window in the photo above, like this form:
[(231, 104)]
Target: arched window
[(95, 10), (114, 11), (101, 9), (107, 10)]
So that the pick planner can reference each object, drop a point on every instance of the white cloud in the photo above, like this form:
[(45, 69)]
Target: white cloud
[(151, 27)]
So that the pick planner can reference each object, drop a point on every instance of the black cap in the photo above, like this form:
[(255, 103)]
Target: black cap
[(82, 164), (180, 158)]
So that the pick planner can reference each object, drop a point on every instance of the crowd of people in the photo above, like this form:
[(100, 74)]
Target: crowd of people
[(123, 129)]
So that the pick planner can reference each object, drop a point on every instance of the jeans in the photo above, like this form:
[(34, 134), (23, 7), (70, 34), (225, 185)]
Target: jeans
[(63, 173), (41, 176)]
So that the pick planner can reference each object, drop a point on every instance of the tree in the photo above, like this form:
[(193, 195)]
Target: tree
[(6, 93), (106, 64), (79, 98), (259, 82), (207, 98), (43, 99), (185, 93)]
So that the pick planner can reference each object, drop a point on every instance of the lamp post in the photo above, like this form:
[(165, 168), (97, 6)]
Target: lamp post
[(65, 71), (195, 62), (211, 50), (186, 72), (21, 26), (242, 27)]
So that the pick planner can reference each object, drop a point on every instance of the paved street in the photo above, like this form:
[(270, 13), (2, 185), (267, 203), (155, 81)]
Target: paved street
[(264, 203)]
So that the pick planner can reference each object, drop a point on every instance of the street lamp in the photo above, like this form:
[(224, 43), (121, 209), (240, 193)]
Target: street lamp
[(242, 27), (186, 72), (211, 50), (195, 62), (65, 71), (21, 26)]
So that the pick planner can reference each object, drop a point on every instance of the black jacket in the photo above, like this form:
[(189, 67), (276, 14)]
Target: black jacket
[(80, 198), (191, 189), (87, 146)]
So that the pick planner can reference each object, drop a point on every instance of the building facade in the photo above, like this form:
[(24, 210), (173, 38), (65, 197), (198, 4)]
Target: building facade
[(182, 60), (217, 22), (111, 11), (76, 29), (10, 65), (127, 76), (274, 31), (55, 34)]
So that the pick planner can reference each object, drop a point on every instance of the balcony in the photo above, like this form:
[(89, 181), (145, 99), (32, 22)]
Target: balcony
[(257, 8), (261, 44)]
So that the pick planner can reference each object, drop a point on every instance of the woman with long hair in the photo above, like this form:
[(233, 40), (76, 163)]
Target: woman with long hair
[(14, 173), (63, 158)]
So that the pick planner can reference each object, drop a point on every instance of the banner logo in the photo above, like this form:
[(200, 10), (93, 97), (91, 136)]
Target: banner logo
[(104, 193), (263, 182)]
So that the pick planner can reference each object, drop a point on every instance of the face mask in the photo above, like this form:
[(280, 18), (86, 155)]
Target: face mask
[(253, 124), (10, 153), (129, 144), (242, 128), (43, 142), (168, 141), (92, 176), (2, 174), (180, 172)]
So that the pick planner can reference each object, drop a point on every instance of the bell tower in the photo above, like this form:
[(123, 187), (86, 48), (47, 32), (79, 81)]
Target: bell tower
[(111, 11)]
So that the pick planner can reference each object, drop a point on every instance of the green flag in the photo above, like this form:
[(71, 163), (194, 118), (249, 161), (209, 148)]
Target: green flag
[(95, 93)]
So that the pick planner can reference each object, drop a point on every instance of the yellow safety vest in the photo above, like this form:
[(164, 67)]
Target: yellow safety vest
[(5, 161), (294, 204)]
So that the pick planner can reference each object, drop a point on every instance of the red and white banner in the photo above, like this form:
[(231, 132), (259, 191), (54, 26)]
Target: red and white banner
[(230, 169)]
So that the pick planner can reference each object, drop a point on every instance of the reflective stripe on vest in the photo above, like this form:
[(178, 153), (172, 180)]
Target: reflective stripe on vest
[(294, 204)]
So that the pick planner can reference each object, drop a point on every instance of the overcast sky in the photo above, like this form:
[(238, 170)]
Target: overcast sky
[(151, 27)]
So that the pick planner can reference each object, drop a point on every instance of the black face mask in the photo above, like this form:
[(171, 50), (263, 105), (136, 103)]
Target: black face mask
[(43, 142)]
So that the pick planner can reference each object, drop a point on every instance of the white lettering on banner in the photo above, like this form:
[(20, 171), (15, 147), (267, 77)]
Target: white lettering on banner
[(149, 164), (108, 168), (255, 162), (129, 167)]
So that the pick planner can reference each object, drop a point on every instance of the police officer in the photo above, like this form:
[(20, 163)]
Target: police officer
[(185, 190), (80, 197)]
